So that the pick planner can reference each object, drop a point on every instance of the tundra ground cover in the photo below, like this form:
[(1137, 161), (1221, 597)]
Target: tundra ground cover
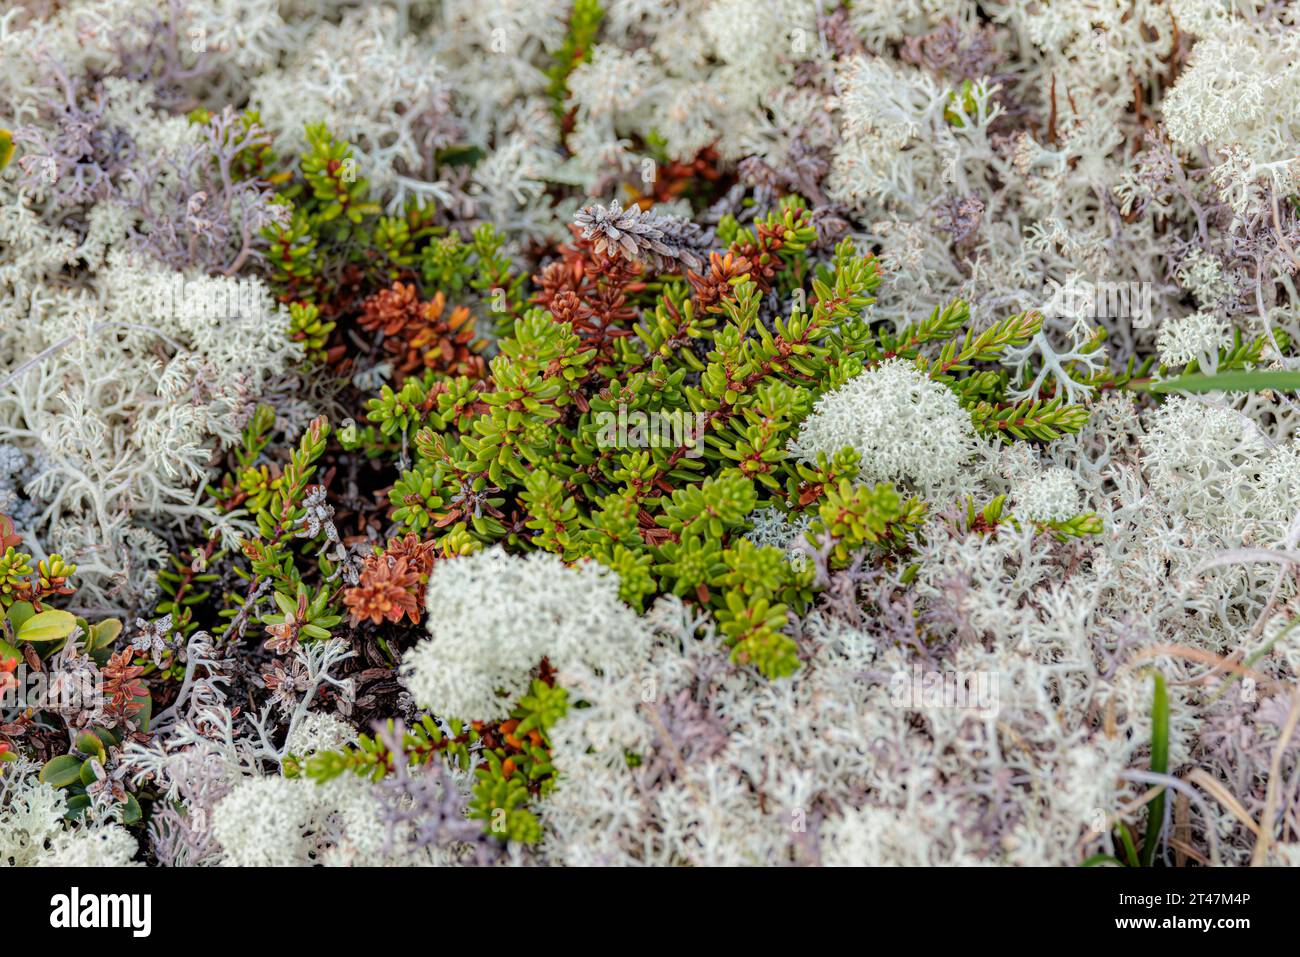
[(685, 433)]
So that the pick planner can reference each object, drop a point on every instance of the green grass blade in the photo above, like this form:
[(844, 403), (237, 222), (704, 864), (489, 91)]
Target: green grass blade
[(1126, 839), (1159, 765), (1253, 380)]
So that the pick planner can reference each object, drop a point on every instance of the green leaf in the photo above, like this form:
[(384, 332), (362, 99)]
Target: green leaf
[(88, 773), (6, 148), (130, 810), (61, 771), (19, 612), (460, 155), (1253, 380), (104, 633), (287, 605), (47, 626), (77, 803), (90, 745), (145, 712)]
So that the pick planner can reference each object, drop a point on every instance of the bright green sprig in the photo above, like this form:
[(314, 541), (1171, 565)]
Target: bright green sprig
[(371, 758), (1029, 419), (584, 24)]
